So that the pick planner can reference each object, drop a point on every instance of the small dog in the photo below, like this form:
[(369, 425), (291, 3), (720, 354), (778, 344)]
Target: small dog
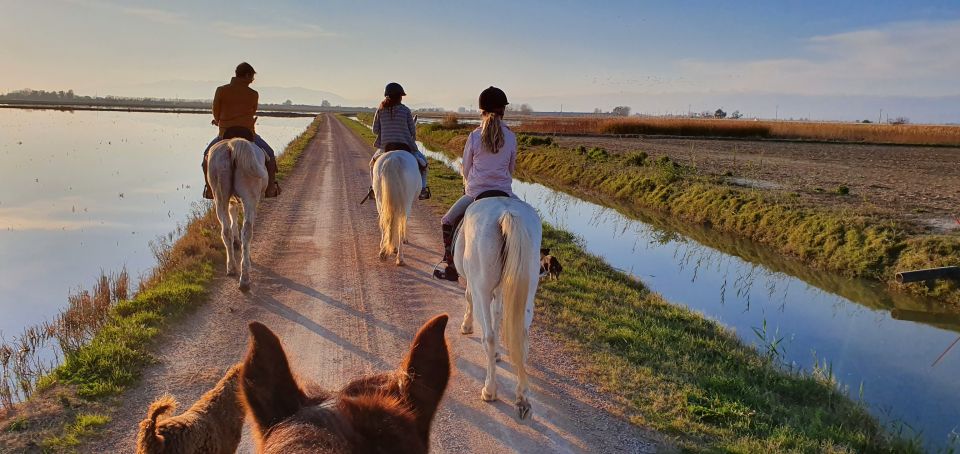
[(549, 265), (212, 425)]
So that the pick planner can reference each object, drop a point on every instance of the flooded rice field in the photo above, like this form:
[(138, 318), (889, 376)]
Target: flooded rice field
[(85, 191)]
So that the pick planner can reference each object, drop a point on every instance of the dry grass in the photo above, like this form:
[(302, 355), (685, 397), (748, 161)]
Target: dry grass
[(792, 130)]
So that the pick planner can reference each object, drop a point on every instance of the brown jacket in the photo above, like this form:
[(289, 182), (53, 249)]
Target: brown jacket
[(235, 104)]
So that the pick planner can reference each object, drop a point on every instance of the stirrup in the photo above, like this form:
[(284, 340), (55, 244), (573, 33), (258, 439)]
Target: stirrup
[(276, 190), (425, 193), (369, 196), (449, 273)]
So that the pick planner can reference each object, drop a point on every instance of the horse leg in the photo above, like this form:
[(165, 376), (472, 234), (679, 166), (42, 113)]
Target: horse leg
[(523, 385), (226, 234), (400, 241), (496, 307), (249, 215), (234, 223), (489, 341), (467, 326)]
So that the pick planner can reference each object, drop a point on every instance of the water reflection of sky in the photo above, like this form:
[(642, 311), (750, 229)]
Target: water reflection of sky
[(85, 191), (863, 344)]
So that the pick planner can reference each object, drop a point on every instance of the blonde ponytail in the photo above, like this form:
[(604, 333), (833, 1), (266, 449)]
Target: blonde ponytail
[(491, 132)]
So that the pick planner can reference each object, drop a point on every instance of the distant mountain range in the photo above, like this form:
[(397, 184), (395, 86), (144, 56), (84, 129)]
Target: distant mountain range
[(199, 89)]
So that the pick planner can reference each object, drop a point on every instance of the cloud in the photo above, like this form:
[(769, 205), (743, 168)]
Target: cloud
[(247, 31), (912, 58), (155, 15)]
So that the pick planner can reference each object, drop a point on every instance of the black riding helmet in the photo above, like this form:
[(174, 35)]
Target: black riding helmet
[(493, 99), (394, 89)]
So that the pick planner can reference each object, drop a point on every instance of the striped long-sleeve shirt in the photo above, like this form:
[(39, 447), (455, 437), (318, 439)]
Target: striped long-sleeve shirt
[(395, 124)]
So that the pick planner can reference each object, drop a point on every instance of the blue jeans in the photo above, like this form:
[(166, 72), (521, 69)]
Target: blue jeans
[(257, 140)]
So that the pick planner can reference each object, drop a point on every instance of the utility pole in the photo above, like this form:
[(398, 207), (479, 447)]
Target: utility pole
[(561, 107), (776, 115), (880, 119)]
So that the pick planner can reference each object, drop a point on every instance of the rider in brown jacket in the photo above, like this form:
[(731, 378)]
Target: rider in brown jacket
[(235, 106)]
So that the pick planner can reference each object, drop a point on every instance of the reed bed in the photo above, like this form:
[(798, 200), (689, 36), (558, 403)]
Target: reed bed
[(905, 134), (40, 348)]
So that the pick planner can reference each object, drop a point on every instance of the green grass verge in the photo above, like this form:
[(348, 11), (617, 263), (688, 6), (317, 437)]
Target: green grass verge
[(118, 352), (84, 425), (677, 372), (825, 238)]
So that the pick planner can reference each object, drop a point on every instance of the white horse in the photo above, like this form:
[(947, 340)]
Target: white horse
[(396, 184), (238, 176), (498, 253)]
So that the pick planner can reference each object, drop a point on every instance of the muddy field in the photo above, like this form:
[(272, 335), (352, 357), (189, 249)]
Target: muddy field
[(920, 185)]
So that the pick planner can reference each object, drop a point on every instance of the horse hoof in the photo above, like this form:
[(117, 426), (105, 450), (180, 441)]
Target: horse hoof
[(244, 287), (401, 262), (464, 329), (487, 396), (523, 409), (496, 357)]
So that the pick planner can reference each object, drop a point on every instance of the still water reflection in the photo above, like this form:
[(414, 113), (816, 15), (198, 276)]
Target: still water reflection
[(85, 191), (884, 341)]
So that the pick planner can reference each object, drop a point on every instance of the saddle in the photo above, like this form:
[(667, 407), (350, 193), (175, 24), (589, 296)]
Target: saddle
[(458, 223), (241, 132)]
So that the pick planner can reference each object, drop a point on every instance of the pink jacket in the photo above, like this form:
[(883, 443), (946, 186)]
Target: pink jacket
[(483, 170)]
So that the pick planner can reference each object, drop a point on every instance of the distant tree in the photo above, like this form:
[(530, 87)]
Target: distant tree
[(462, 109), (736, 115), (899, 121), (525, 108), (325, 103), (288, 103), (597, 110), (720, 114), (622, 111), (866, 121)]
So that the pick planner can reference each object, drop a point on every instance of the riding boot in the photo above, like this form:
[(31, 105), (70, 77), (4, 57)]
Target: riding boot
[(207, 192), (449, 271), (273, 188)]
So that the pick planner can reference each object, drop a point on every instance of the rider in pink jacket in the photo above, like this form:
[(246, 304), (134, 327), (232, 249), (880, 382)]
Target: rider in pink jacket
[(489, 159)]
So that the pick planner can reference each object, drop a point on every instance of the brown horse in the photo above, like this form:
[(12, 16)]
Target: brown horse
[(389, 412)]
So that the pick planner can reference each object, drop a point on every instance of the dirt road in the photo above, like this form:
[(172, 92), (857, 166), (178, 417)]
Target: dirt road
[(341, 312)]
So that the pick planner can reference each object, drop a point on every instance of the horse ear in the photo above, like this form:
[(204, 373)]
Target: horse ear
[(428, 366), (268, 388)]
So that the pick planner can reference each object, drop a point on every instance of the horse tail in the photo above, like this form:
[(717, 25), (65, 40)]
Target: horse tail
[(515, 283), (246, 159), (393, 213), (148, 441)]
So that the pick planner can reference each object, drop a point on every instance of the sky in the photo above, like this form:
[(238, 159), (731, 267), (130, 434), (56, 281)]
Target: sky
[(774, 58)]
